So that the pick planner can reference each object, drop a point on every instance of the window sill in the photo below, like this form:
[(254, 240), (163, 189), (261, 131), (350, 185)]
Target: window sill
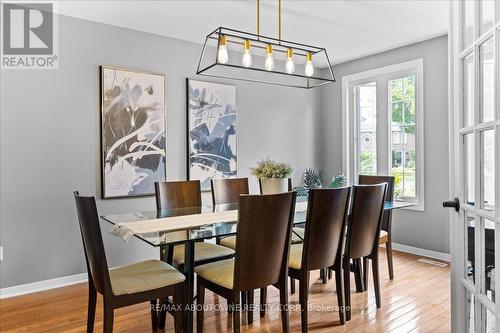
[(419, 207)]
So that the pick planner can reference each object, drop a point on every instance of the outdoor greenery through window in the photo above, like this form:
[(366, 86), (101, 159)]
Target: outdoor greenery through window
[(385, 109), (402, 112)]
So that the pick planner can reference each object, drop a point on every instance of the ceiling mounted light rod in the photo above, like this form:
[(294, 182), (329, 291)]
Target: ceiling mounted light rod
[(273, 60)]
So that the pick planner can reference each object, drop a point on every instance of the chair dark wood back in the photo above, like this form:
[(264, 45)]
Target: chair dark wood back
[(366, 216), (325, 228), (228, 190), (263, 239), (371, 180), (95, 255), (290, 187), (180, 194)]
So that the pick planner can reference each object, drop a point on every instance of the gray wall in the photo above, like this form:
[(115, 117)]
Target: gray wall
[(429, 229), (50, 143)]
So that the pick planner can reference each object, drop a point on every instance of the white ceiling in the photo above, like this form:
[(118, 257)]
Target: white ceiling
[(348, 29)]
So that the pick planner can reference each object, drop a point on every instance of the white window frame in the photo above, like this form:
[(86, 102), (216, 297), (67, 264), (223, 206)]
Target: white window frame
[(384, 130)]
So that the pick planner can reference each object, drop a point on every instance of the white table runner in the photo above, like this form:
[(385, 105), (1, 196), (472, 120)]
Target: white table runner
[(128, 229)]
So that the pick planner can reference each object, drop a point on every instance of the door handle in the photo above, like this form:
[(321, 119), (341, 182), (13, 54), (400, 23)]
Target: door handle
[(455, 203)]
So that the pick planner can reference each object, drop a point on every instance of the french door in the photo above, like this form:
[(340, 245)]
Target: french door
[(475, 164)]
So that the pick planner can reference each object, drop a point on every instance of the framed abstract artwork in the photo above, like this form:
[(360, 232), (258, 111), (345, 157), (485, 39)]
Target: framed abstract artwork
[(133, 138), (211, 132)]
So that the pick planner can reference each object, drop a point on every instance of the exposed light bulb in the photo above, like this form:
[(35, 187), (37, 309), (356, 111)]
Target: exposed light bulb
[(269, 64), (309, 69), (290, 66), (246, 59), (222, 55)]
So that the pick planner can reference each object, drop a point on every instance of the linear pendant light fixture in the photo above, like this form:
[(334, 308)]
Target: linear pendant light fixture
[(235, 54)]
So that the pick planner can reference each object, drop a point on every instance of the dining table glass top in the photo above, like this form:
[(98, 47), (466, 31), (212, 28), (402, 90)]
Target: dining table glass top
[(183, 232)]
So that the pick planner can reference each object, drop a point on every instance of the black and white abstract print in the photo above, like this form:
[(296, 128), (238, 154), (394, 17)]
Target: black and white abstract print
[(211, 131), (133, 132)]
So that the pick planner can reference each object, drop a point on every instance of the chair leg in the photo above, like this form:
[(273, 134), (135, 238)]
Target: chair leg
[(376, 280), (91, 308), (339, 284), (236, 313), (154, 313), (358, 275), (292, 286), (323, 275), (250, 301), (263, 301), (347, 290), (330, 274), (303, 298), (179, 309), (366, 264), (244, 306), (200, 292), (388, 249), (162, 313), (108, 318), (285, 318)]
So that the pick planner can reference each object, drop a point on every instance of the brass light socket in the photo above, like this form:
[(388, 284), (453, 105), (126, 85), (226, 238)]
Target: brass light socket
[(222, 40), (246, 45), (269, 49), (289, 53), (309, 56)]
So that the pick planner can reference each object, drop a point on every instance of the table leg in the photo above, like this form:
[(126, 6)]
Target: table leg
[(189, 273)]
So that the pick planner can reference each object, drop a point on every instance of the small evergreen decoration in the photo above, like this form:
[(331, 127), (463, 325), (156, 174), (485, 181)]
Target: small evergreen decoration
[(312, 179), (339, 181), (268, 168)]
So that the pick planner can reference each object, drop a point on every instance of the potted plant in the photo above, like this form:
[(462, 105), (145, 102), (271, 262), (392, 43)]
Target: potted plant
[(273, 175), (312, 179)]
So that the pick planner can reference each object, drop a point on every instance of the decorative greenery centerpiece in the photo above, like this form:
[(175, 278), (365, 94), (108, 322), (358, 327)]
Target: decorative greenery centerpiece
[(339, 181), (273, 176), (312, 179), (268, 168)]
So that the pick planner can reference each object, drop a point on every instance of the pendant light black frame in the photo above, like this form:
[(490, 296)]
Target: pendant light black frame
[(259, 42)]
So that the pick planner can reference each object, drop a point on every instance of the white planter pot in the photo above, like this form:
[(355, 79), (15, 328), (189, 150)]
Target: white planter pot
[(274, 185)]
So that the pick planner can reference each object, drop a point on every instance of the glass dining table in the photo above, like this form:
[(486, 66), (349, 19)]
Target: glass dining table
[(190, 233)]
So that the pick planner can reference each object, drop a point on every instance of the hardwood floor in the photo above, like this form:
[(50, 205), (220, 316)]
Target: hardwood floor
[(417, 300)]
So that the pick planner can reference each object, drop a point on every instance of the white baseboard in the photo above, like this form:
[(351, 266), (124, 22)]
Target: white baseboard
[(79, 278), (29, 288), (421, 252)]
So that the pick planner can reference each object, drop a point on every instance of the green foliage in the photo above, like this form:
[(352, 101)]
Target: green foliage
[(314, 178), (339, 181), (268, 168), (368, 165), (403, 103)]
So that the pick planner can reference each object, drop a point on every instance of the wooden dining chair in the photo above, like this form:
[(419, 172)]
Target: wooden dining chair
[(261, 260), (323, 244), (228, 191), (363, 232), (185, 194), (385, 232), (145, 281)]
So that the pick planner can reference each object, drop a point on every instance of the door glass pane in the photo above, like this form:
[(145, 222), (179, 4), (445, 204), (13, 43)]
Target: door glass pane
[(468, 106), (487, 60), (489, 259), (490, 322), (469, 168), (367, 142), (487, 14), (470, 250), (403, 119), (488, 169), (468, 15), (469, 312)]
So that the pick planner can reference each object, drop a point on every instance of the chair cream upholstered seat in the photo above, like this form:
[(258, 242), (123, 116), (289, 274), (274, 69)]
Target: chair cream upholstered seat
[(229, 242), (219, 272), (383, 237), (202, 251), (295, 258), (143, 276)]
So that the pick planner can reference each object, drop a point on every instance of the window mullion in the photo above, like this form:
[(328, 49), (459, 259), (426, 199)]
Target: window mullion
[(383, 123)]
